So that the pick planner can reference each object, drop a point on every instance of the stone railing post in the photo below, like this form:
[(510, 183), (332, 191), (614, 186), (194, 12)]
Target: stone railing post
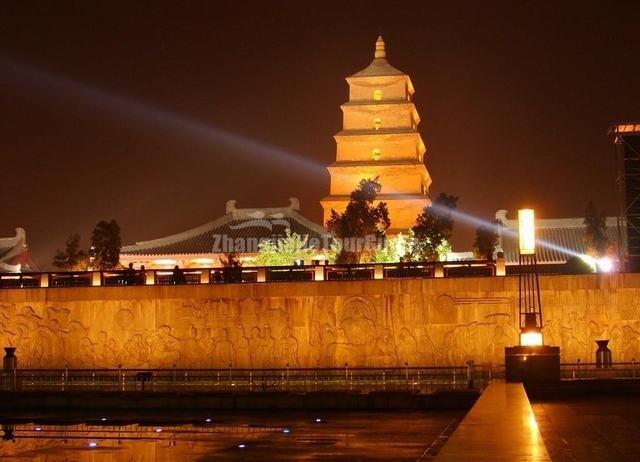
[(501, 268), (262, 274), (44, 280), (204, 276), (96, 278), (438, 270), (10, 368), (319, 273), (378, 271), (149, 277)]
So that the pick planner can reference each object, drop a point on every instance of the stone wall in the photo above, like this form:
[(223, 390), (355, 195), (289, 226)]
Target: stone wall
[(372, 323)]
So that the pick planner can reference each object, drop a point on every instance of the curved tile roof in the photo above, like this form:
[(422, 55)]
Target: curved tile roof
[(257, 224)]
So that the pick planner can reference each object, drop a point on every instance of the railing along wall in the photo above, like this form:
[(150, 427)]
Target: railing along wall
[(356, 379), (260, 274)]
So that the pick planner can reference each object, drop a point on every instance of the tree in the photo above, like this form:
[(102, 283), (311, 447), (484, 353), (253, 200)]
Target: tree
[(105, 245), (72, 257), (595, 234), (361, 221), (285, 251), (434, 227), (231, 260), (486, 240)]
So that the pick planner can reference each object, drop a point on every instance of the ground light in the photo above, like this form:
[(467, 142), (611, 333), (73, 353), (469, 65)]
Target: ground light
[(241, 445), (208, 420), (93, 444), (318, 420), (286, 430), (158, 430)]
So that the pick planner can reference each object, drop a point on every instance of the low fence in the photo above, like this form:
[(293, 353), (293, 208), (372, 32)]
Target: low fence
[(364, 380), (472, 268), (590, 371)]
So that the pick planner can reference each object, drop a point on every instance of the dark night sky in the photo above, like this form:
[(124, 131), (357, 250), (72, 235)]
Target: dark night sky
[(96, 104)]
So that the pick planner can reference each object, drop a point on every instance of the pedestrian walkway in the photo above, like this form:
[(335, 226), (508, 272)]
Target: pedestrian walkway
[(500, 427)]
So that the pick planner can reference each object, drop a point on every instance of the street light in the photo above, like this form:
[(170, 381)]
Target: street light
[(531, 361)]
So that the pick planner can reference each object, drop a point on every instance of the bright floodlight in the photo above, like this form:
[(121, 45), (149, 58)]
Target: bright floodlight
[(605, 265), (526, 231)]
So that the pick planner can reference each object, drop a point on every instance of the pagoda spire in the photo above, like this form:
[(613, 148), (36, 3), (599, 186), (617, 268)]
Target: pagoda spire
[(380, 48)]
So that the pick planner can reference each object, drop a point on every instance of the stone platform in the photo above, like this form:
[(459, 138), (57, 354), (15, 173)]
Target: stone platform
[(501, 427)]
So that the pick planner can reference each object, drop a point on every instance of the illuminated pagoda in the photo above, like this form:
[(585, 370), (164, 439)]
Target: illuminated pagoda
[(14, 254), (238, 232), (380, 139)]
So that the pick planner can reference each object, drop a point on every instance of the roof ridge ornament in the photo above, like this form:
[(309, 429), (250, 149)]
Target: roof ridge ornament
[(380, 48)]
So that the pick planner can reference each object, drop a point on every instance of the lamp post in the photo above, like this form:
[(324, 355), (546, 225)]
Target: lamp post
[(531, 361), (529, 304)]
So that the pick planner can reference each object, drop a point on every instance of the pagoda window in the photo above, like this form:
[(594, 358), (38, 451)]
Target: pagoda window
[(375, 154), (377, 95), (376, 123)]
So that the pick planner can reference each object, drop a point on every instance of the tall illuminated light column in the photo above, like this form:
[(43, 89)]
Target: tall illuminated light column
[(529, 304), (531, 361)]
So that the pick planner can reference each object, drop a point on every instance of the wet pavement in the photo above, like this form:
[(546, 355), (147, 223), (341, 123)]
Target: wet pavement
[(282, 436), (593, 429)]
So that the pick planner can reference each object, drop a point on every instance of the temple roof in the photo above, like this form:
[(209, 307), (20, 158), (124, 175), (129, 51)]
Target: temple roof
[(557, 239), (379, 66), (14, 253), (254, 223)]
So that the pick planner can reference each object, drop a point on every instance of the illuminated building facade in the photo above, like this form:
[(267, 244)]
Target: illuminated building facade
[(558, 239), (380, 139), (14, 254), (238, 232)]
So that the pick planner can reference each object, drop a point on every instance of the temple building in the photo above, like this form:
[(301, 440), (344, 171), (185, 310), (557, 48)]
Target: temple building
[(380, 138), (14, 254), (238, 232), (558, 239)]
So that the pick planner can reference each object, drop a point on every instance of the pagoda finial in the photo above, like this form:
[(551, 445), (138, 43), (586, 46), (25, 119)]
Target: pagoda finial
[(380, 50)]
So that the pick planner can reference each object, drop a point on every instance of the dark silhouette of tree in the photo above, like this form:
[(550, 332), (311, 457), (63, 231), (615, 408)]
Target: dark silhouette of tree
[(105, 245), (72, 257), (595, 235), (361, 219), (486, 240), (434, 227)]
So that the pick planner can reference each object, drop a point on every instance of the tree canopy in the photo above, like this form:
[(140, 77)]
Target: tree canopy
[(434, 227), (105, 245), (72, 257), (595, 234), (486, 240), (361, 219), (284, 251)]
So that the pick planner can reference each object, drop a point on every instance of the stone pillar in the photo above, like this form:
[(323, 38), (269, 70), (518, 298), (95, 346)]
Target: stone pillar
[(204, 276), (262, 274), (501, 268), (319, 273), (150, 277), (378, 271), (44, 280), (438, 270), (96, 279)]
